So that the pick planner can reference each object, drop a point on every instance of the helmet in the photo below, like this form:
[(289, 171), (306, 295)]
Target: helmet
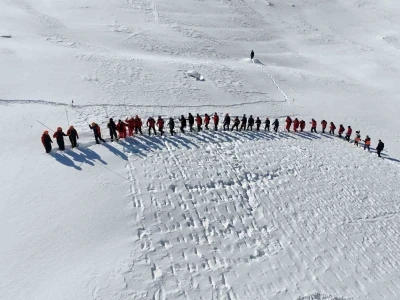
[(46, 132)]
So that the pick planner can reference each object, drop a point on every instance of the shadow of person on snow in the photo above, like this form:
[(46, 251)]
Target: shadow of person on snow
[(66, 161), (79, 157), (91, 155), (115, 151)]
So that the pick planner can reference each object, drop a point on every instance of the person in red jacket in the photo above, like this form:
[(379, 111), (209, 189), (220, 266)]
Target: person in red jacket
[(341, 130), (121, 128), (96, 132), (160, 124), (73, 136), (288, 123), (296, 124), (332, 128), (59, 136), (138, 125), (46, 141), (313, 126), (324, 124), (216, 121), (131, 125), (206, 120), (199, 122), (348, 133), (151, 123), (302, 125)]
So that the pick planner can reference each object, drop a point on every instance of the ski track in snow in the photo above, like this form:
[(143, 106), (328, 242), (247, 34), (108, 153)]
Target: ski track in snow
[(208, 219)]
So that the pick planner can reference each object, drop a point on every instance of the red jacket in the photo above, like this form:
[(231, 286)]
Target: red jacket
[(206, 119), (121, 126), (69, 131), (302, 124), (324, 123), (332, 127), (138, 122), (313, 123), (151, 122), (199, 121), (296, 123), (160, 123), (216, 119), (341, 129), (131, 123), (289, 120), (349, 131)]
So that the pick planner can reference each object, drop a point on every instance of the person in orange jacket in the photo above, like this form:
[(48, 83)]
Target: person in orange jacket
[(367, 142), (160, 124), (199, 122), (46, 141), (121, 128), (216, 121), (357, 139), (138, 125), (324, 124), (348, 133), (313, 126), (332, 128), (206, 120), (131, 125), (341, 130), (288, 123), (73, 136), (296, 124), (151, 123), (96, 132), (302, 125), (59, 136)]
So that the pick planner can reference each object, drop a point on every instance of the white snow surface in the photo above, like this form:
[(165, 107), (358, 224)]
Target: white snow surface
[(211, 215)]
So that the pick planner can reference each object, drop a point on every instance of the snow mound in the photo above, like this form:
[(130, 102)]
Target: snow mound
[(194, 74), (252, 61)]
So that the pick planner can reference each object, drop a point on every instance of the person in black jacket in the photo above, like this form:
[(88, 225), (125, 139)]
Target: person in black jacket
[(183, 123), (73, 136), (171, 125), (59, 136), (250, 123), (113, 129), (236, 123), (227, 122), (379, 148), (244, 123), (46, 141), (96, 132), (276, 125), (267, 124), (191, 122), (252, 55), (258, 123)]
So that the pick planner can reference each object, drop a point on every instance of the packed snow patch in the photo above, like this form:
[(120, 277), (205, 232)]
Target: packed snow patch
[(194, 74), (252, 61)]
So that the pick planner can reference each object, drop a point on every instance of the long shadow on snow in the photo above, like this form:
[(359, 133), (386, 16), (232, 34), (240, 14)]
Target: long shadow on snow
[(79, 157), (66, 161), (115, 151)]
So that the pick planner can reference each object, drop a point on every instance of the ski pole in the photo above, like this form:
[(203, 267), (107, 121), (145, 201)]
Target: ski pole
[(44, 125), (66, 112)]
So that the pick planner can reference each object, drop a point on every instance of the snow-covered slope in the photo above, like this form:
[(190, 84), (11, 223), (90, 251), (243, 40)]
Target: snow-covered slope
[(210, 215)]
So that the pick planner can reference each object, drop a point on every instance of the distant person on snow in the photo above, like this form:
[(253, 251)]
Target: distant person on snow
[(171, 125), (341, 130), (324, 123), (236, 123), (73, 136), (367, 142), (121, 127), (252, 55), (183, 123), (244, 122), (332, 128), (199, 122), (160, 124), (250, 123), (276, 125), (357, 138), (288, 123), (258, 123), (348, 133), (267, 124), (216, 121), (138, 125), (151, 123), (46, 141), (227, 122), (131, 125), (113, 129), (379, 148), (296, 124), (302, 125), (206, 120), (313, 126), (96, 132), (191, 122), (59, 136)]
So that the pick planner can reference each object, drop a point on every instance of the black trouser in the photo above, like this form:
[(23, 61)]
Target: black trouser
[(366, 146), (347, 137), (243, 126), (191, 127), (171, 130), (154, 130), (258, 127), (138, 129), (199, 128), (206, 125), (314, 129), (113, 134), (250, 126), (236, 125), (323, 129), (226, 126), (276, 128), (48, 148), (216, 127), (379, 152), (182, 129), (97, 137), (332, 131), (161, 130), (61, 145), (266, 127), (340, 134), (72, 138)]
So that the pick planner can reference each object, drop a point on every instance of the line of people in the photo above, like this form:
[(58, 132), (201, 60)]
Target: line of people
[(127, 128)]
